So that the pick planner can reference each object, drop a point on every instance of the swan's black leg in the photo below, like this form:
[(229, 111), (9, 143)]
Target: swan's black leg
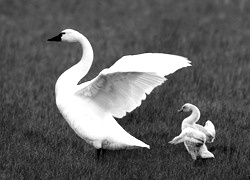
[(103, 151), (98, 152)]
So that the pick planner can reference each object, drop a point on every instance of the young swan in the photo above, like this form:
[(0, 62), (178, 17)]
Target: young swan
[(194, 135), (190, 121)]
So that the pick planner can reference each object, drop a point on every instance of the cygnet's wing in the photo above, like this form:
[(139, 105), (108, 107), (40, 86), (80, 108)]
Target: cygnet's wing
[(123, 86), (194, 136), (209, 135), (191, 135), (209, 126)]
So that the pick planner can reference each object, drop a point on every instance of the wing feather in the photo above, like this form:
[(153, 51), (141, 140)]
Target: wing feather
[(161, 64), (122, 87)]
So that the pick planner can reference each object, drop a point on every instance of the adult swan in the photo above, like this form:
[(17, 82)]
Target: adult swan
[(90, 107)]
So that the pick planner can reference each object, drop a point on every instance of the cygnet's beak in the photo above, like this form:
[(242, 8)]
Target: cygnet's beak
[(180, 110)]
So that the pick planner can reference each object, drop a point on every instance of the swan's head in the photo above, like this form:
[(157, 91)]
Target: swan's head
[(187, 108), (67, 35)]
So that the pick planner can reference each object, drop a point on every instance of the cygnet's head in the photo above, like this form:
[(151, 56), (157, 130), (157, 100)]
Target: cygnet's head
[(187, 108), (68, 35)]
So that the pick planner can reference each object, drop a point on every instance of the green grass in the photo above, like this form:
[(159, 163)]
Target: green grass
[(37, 143)]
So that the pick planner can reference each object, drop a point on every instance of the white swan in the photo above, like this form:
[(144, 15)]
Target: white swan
[(89, 108), (194, 135)]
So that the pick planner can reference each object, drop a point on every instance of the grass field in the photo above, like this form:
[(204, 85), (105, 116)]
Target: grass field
[(37, 143)]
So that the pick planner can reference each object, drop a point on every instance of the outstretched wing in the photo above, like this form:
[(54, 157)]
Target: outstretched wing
[(123, 86), (190, 135), (209, 126), (194, 136), (159, 63)]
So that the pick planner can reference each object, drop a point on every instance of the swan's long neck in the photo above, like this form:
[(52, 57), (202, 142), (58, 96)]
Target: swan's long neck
[(192, 119), (67, 82)]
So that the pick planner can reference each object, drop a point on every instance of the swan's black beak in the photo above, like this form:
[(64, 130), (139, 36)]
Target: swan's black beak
[(57, 38)]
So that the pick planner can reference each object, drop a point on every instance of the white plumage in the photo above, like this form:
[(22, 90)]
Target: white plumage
[(89, 108), (194, 135)]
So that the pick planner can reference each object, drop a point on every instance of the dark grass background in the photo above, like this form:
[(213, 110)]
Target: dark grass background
[(37, 143)]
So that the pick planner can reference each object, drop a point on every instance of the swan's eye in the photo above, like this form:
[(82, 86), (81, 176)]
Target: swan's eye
[(184, 107)]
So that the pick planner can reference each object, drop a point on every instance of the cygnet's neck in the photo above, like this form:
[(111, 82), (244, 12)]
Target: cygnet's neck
[(68, 81), (192, 119)]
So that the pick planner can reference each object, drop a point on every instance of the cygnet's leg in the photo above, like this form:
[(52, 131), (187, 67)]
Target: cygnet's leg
[(193, 155)]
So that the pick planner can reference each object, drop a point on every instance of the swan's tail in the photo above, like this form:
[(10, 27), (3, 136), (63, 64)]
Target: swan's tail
[(135, 143), (121, 139), (144, 145)]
